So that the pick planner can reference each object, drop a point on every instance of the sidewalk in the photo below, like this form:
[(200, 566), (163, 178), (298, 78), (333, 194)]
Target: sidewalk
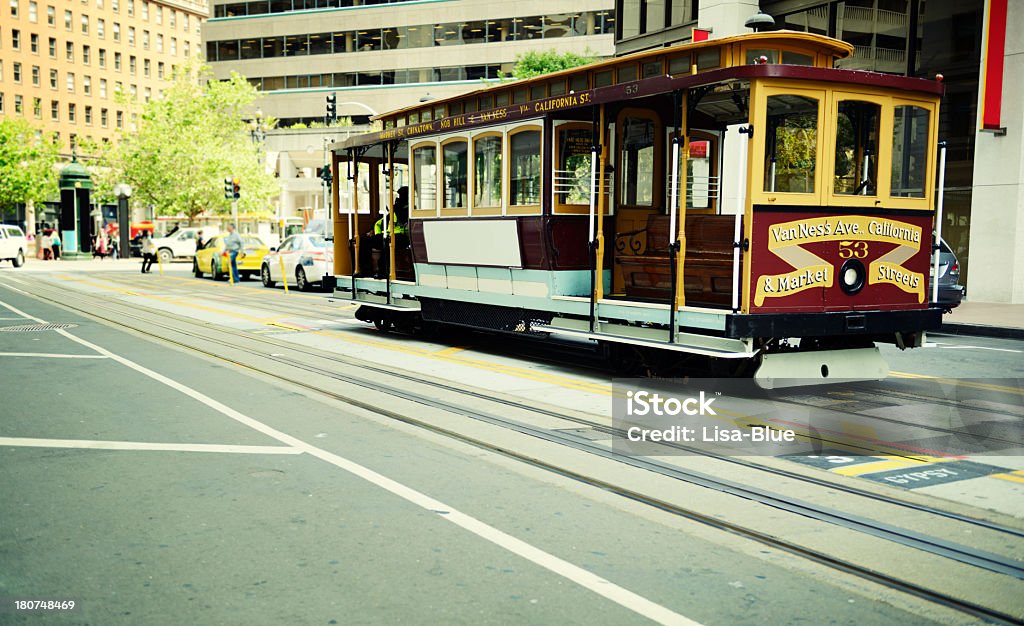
[(36, 266), (985, 319)]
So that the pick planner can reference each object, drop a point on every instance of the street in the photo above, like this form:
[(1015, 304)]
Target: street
[(179, 450)]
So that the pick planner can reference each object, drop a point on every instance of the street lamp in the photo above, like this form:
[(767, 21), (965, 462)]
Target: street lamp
[(257, 128)]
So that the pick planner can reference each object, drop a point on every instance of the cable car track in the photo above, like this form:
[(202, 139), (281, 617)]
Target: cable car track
[(989, 561)]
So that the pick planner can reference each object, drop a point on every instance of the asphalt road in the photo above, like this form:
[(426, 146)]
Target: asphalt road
[(185, 489)]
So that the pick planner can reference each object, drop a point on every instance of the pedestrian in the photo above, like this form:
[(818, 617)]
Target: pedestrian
[(199, 241), (114, 247), (45, 246), (233, 244), (55, 245), (148, 252)]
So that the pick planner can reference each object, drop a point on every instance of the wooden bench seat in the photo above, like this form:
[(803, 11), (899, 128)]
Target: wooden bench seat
[(707, 272)]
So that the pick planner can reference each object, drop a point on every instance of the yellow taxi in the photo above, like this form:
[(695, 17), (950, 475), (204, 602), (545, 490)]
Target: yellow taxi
[(213, 258)]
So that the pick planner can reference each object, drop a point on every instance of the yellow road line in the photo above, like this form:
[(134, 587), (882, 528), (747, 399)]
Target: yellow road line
[(1016, 477), (451, 350), (957, 381), (876, 466)]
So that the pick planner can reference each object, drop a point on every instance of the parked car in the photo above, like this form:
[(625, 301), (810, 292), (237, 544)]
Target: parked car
[(12, 245), (215, 260), (951, 292), (181, 244), (307, 259)]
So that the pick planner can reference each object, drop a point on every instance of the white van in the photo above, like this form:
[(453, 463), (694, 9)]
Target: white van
[(12, 245), (181, 244)]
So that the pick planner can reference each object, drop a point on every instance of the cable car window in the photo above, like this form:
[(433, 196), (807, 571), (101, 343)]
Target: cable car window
[(524, 179), (626, 74), (652, 69), (909, 151), (679, 65), (425, 178), (754, 55), (795, 58), (603, 79), (455, 175), (857, 130), (572, 177), (707, 59), (791, 153), (578, 82), (637, 162), (487, 171)]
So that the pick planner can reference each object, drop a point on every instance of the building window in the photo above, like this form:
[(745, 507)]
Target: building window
[(33, 11), (53, 79), (88, 115), (19, 105), (54, 110), (103, 87), (159, 14), (69, 50), (117, 31), (147, 93), (71, 112), (16, 39), (145, 67), (17, 72), (145, 10), (159, 42), (160, 69), (131, 11), (14, 8), (115, 6), (103, 118), (131, 35), (120, 115), (67, 21), (1, 102), (37, 108), (103, 57), (35, 75), (85, 24), (171, 15), (101, 30), (86, 54), (53, 47), (33, 43), (87, 85), (117, 61), (70, 82), (51, 15), (145, 40), (132, 65), (185, 47)]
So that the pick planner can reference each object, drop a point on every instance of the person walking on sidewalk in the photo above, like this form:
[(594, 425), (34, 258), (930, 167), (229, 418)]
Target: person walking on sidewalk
[(55, 245), (148, 252), (233, 244)]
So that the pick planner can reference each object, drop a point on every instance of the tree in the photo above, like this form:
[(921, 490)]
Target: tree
[(188, 142), (27, 160), (533, 63)]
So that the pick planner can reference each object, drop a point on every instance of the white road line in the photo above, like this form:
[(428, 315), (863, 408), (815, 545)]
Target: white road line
[(588, 580), (17, 280), (54, 356), (85, 444), (981, 348)]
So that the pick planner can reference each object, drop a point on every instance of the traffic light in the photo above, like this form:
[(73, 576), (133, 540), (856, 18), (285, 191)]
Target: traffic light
[(227, 189), (332, 108), (236, 187), (325, 175)]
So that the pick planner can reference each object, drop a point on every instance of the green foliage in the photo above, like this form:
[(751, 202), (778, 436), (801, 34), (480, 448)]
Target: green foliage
[(187, 142), (27, 162), (533, 63)]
